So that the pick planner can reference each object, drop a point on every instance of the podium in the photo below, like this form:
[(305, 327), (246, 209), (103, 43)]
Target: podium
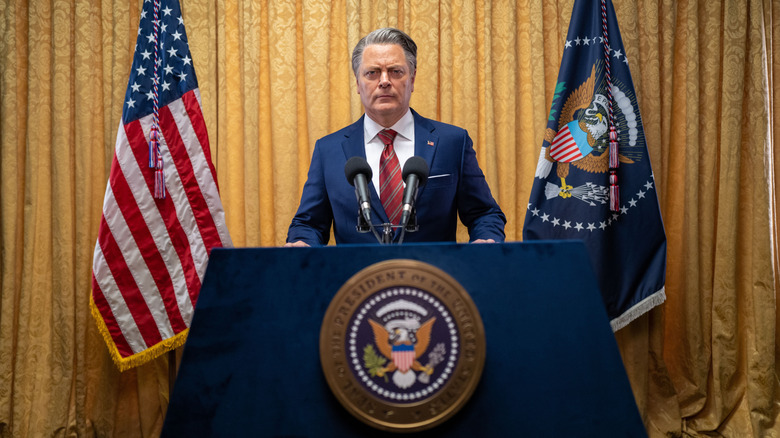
[(251, 365)]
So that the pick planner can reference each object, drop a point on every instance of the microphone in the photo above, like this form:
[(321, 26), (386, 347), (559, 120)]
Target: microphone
[(358, 174), (415, 175)]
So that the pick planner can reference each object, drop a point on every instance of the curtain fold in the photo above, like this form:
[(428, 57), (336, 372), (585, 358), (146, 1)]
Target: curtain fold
[(275, 75)]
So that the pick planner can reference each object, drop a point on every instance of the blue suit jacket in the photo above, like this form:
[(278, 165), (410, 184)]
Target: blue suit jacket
[(456, 186)]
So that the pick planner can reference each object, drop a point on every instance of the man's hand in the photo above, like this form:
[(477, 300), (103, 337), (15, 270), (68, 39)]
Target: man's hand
[(484, 241), (296, 244)]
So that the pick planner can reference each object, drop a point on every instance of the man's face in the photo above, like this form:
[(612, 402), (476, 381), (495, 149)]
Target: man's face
[(385, 83)]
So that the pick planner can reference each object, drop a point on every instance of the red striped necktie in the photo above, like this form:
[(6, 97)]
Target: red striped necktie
[(391, 185)]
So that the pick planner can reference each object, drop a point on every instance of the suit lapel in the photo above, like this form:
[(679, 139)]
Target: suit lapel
[(425, 142), (353, 141)]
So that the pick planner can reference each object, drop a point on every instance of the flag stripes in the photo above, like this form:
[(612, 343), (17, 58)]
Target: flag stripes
[(141, 244), (183, 271), (104, 314), (157, 246), (128, 305)]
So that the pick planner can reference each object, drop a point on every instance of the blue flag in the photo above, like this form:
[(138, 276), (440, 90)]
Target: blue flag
[(575, 181)]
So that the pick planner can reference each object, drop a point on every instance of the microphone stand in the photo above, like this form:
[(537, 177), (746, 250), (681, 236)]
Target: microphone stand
[(410, 227), (364, 227), (386, 238)]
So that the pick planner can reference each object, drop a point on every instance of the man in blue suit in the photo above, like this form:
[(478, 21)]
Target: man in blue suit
[(385, 64)]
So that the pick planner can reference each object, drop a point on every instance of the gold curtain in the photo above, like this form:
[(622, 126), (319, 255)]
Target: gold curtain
[(274, 76)]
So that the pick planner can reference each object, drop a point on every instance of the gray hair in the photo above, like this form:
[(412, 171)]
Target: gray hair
[(387, 35)]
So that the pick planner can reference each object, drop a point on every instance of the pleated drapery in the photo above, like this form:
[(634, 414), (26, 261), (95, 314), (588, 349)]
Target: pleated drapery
[(275, 75)]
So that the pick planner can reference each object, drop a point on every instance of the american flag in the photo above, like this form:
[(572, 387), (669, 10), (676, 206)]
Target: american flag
[(151, 251)]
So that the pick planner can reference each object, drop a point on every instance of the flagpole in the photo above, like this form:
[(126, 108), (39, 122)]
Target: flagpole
[(171, 371)]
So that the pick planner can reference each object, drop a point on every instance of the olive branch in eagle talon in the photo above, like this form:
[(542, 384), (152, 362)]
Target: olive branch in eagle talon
[(373, 362)]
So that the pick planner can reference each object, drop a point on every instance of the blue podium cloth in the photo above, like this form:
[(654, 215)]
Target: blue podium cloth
[(251, 364)]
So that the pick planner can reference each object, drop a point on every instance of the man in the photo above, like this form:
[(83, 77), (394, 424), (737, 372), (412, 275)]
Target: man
[(385, 65)]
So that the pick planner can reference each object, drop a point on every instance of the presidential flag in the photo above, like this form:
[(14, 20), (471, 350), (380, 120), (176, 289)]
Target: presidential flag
[(593, 180), (162, 213)]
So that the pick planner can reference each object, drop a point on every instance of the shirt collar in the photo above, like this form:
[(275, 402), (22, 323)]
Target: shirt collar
[(404, 127)]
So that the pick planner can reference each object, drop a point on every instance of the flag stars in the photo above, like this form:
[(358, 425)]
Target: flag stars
[(556, 222), (567, 224), (632, 202), (641, 194), (579, 226), (545, 217), (591, 227), (649, 185), (161, 52), (603, 225), (624, 210), (592, 41)]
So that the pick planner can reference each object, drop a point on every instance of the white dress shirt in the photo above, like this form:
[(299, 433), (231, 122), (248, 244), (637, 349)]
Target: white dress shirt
[(403, 143)]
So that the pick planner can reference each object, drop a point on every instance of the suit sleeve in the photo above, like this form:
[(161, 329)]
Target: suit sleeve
[(477, 209), (314, 217)]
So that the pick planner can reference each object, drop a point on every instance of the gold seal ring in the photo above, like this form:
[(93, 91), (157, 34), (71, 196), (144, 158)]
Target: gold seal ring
[(402, 345)]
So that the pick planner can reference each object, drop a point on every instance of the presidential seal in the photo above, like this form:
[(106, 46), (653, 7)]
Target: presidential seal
[(402, 345)]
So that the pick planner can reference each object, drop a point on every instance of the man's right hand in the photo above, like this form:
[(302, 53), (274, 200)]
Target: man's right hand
[(296, 244)]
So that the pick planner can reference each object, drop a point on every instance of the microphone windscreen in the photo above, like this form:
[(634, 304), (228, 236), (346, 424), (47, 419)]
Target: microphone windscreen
[(417, 166), (355, 166)]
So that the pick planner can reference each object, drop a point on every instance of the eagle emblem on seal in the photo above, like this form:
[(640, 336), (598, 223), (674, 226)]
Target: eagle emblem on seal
[(403, 341)]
